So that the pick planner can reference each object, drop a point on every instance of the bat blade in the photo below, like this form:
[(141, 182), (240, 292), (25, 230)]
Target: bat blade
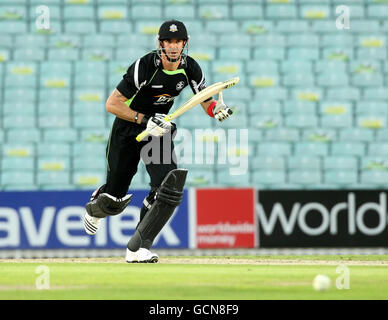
[(195, 100)]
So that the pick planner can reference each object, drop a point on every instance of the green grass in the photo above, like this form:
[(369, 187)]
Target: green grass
[(71, 280)]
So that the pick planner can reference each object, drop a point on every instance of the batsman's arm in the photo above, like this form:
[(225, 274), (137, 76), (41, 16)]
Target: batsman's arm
[(115, 104), (205, 105)]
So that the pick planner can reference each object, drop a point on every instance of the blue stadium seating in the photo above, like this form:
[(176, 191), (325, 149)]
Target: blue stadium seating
[(313, 97)]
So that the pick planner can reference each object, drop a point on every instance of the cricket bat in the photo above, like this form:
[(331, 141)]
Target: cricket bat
[(195, 100)]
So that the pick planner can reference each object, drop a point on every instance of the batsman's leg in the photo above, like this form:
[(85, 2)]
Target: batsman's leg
[(100, 206), (168, 196)]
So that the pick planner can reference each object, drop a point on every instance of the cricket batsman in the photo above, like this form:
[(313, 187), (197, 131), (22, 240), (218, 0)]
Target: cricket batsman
[(140, 101)]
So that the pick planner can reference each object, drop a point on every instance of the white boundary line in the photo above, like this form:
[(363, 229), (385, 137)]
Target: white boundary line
[(93, 253)]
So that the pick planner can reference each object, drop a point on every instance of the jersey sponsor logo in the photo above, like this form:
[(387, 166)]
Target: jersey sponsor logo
[(163, 99), (180, 85)]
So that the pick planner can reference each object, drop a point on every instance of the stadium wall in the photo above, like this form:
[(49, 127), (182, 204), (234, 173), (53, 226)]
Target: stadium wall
[(245, 219)]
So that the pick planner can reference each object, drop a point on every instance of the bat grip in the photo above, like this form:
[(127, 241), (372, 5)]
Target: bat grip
[(145, 133), (142, 135)]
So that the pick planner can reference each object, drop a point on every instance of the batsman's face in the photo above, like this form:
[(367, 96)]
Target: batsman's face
[(173, 47)]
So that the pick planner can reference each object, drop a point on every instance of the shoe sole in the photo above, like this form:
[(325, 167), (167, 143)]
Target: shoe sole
[(89, 228), (152, 260)]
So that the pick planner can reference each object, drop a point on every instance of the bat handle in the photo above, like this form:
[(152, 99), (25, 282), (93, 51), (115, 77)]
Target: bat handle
[(142, 135)]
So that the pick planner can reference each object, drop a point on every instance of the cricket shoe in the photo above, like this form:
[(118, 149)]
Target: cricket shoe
[(141, 256), (91, 224)]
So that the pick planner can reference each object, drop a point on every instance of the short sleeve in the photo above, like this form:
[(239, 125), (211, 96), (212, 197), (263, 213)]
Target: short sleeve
[(196, 76), (133, 79)]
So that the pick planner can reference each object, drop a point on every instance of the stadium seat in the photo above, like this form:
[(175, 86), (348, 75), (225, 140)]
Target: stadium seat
[(81, 27), (305, 177), (238, 52), (29, 54), (379, 149), (377, 10), (376, 178), (88, 179), (18, 108), (267, 163), (56, 67), (300, 162), (94, 135), (19, 121), (246, 11), (298, 79), (200, 177), (299, 107), (97, 54), (112, 12), (267, 107), (15, 177), (382, 134), (271, 93), (343, 93), (319, 134), (60, 135), (265, 121), (63, 54), (332, 66), (307, 93), (89, 95), (311, 148), (340, 163), (184, 12), (76, 12), (332, 79), (274, 149), (315, 11), (269, 40), (53, 121), (52, 80), (301, 120), (268, 53), (52, 95), (89, 162), (13, 13), (213, 11), (303, 53), (19, 95), (146, 11), (85, 79), (21, 164), (280, 11), (85, 148), (371, 53), (341, 177), (336, 121), (348, 148), (282, 134), (376, 93), (63, 41), (18, 149), (89, 121), (50, 148), (368, 80), (225, 178), (53, 163), (53, 177), (30, 40), (356, 134), (13, 27), (23, 135), (303, 40), (269, 177)]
